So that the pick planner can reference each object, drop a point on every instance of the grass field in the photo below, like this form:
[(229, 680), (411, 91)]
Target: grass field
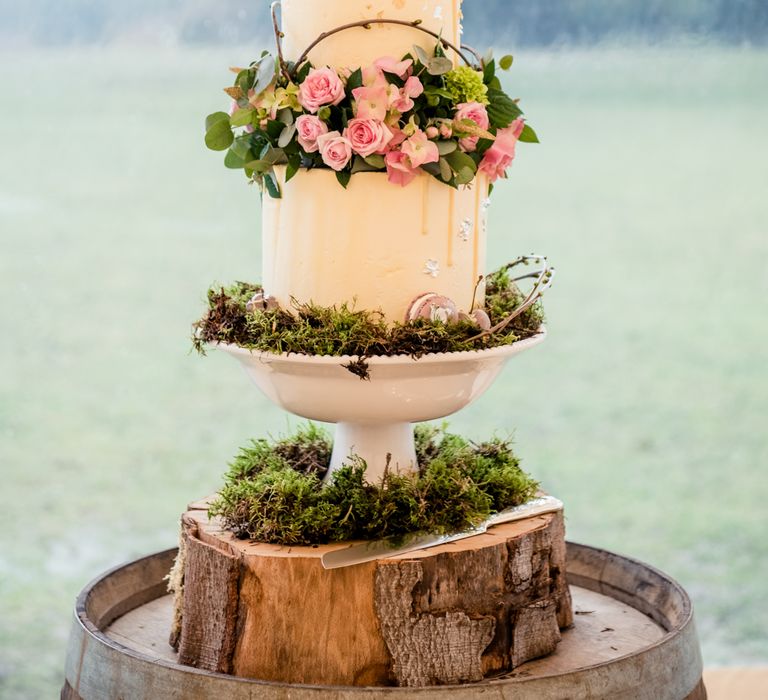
[(645, 410)]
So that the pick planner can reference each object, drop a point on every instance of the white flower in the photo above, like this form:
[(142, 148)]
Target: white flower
[(465, 229), (432, 267)]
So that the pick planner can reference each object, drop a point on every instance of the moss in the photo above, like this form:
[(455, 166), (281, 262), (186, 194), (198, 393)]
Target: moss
[(274, 492), (337, 331)]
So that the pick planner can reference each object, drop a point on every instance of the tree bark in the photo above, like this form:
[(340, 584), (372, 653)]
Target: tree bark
[(449, 614)]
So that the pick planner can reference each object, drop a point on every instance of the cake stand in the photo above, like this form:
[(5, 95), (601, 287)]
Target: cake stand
[(374, 416)]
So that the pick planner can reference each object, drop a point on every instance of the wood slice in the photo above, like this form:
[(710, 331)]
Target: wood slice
[(450, 614)]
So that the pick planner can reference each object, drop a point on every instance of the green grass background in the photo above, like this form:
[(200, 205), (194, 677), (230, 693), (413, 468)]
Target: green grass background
[(645, 410)]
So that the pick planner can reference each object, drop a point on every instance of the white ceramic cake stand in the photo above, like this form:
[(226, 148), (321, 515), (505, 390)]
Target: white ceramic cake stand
[(374, 416)]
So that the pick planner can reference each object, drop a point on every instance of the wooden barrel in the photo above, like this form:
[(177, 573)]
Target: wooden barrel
[(633, 639)]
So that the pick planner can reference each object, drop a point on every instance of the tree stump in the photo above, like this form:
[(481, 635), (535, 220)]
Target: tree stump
[(454, 613)]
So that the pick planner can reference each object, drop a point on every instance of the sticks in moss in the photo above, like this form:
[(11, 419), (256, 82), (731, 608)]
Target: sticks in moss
[(314, 330)]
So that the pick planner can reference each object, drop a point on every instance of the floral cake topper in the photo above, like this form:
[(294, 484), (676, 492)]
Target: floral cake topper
[(399, 116)]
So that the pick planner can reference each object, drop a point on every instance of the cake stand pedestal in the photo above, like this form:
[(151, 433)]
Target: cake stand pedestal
[(374, 415)]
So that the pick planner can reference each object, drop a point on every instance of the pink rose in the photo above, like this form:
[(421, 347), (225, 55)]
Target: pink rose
[(392, 65), (501, 154), (370, 102), (420, 149), (400, 170), (478, 114), (335, 150), (321, 87), (308, 129), (368, 136)]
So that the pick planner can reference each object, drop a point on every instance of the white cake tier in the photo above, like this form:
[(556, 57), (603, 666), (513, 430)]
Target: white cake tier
[(376, 244), (304, 20)]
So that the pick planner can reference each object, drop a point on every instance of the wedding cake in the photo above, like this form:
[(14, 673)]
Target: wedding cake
[(375, 138), (413, 133)]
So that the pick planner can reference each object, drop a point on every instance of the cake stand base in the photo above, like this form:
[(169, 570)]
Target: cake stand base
[(381, 446)]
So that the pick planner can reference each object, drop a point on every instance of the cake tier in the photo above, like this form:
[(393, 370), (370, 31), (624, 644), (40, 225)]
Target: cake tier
[(304, 20), (377, 245)]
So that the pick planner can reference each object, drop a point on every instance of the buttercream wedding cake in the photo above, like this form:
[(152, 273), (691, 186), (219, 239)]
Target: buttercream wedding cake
[(375, 138)]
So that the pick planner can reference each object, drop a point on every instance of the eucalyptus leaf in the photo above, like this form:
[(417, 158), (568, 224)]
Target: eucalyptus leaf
[(439, 65), (360, 165), (218, 136), (270, 182), (285, 116), (265, 73), (286, 136), (233, 161), (242, 117), (212, 119), (258, 166), (274, 156), (446, 147), (421, 53), (241, 147), (528, 135), (459, 160), (505, 62), (464, 176), (436, 90), (445, 170), (375, 161)]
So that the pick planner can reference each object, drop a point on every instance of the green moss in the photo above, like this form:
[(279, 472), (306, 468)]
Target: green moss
[(273, 491), (315, 330)]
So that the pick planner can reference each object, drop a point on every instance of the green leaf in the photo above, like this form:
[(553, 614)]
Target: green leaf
[(324, 114), (245, 79), (359, 165), (436, 90), (303, 72), (242, 117), (421, 53), (489, 71), (285, 116), (265, 73), (274, 156), (343, 176), (233, 161), (258, 166), (242, 147), (502, 111), (446, 147), (439, 65), (459, 161), (528, 135), (465, 176), (445, 170), (270, 182), (294, 163), (355, 80), (505, 62), (375, 161), (218, 135), (432, 99), (212, 119), (286, 136)]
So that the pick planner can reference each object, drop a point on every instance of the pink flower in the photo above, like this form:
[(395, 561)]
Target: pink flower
[(400, 170), (432, 132), (404, 101), (308, 129), (392, 65), (321, 87), (368, 136), (371, 102), (373, 77), (478, 114), (420, 149), (335, 150), (501, 154)]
